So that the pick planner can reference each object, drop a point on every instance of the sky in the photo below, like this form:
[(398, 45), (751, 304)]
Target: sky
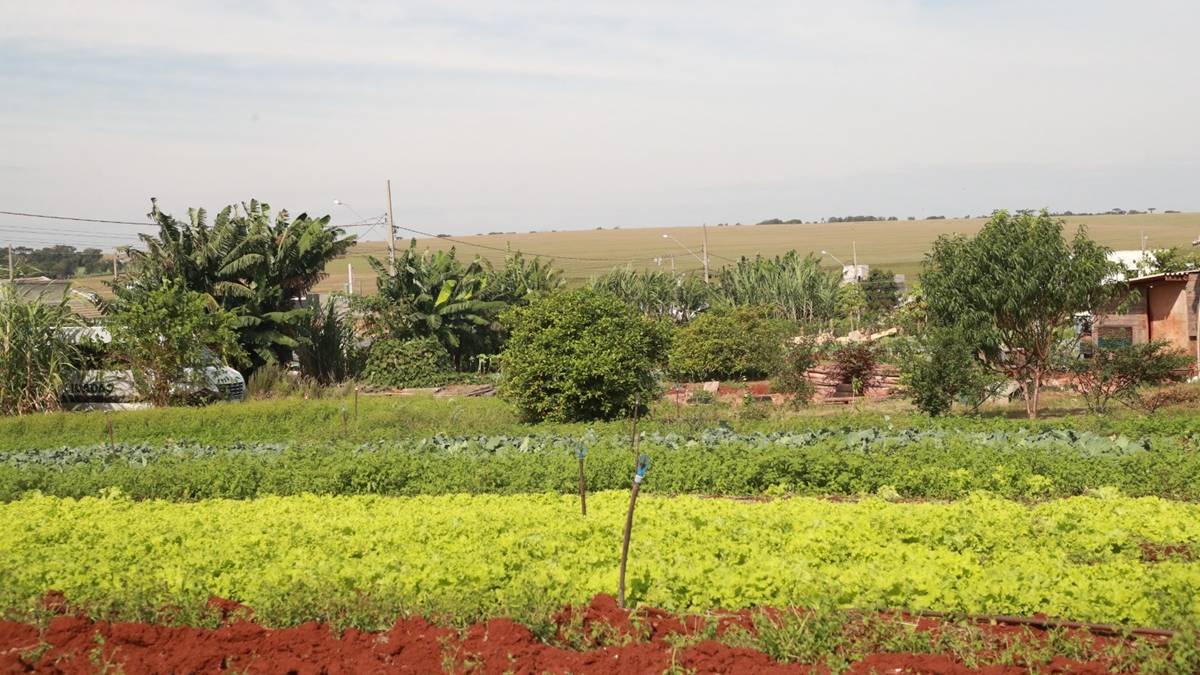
[(540, 114)]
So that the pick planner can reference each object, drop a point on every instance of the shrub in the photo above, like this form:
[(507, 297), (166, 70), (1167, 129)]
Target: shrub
[(580, 355), (1119, 372), (856, 364), (419, 362), (942, 368), (168, 335), (792, 375), (329, 351), (727, 344), (1150, 403), (657, 294), (271, 380), (753, 409), (36, 358)]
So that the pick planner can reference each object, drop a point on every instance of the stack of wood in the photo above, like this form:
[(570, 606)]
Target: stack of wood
[(830, 388)]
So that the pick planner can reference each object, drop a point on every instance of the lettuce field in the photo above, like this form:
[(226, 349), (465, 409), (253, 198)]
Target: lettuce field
[(1072, 525), (297, 558)]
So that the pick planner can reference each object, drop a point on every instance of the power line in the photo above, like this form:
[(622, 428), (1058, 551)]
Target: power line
[(362, 223), (366, 222), (74, 218), (65, 232)]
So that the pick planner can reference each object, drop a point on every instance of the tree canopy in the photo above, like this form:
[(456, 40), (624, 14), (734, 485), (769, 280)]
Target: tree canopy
[(248, 262), (1012, 288)]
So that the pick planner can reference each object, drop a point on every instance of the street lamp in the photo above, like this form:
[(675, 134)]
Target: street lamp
[(338, 202), (839, 260)]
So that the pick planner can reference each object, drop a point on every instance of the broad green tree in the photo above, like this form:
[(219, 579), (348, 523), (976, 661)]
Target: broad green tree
[(580, 355), (1012, 288), (883, 293), (434, 294), (852, 303), (168, 335), (250, 262)]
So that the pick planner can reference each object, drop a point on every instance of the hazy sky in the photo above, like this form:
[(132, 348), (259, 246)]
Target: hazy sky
[(546, 114)]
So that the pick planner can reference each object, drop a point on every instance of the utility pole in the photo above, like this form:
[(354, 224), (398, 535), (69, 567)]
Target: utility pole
[(12, 270), (391, 232), (705, 228), (115, 254), (350, 278), (854, 251)]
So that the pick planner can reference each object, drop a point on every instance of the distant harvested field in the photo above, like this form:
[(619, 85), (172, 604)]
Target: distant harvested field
[(897, 245)]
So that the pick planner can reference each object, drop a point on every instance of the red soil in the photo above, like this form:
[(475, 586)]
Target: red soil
[(608, 640)]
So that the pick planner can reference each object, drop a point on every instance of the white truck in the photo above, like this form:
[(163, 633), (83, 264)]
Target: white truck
[(117, 390)]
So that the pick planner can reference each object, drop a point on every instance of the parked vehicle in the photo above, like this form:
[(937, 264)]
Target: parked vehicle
[(116, 389)]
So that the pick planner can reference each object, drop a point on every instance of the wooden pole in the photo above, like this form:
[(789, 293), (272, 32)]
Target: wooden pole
[(391, 232), (12, 270), (705, 228)]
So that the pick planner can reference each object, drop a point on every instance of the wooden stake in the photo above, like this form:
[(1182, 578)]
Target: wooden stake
[(633, 434), (642, 465), (582, 484)]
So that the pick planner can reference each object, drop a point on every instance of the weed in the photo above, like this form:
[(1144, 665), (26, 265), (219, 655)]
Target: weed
[(34, 654)]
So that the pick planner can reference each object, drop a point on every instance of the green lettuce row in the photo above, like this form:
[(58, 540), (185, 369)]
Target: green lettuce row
[(917, 465), (363, 560)]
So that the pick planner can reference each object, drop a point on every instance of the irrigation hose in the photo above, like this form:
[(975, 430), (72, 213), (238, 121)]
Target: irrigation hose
[(1107, 630)]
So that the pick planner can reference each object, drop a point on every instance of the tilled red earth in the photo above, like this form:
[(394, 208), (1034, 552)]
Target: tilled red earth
[(653, 642)]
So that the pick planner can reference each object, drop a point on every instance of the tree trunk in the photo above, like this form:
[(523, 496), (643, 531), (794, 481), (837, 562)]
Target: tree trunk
[(1032, 390)]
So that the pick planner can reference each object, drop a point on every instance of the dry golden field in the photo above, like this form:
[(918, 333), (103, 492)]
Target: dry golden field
[(896, 245)]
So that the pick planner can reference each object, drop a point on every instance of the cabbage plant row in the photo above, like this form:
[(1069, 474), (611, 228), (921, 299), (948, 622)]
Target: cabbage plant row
[(910, 464)]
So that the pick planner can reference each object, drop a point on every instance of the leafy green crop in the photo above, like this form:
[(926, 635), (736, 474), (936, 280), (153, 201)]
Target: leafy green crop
[(362, 560), (390, 418), (938, 464)]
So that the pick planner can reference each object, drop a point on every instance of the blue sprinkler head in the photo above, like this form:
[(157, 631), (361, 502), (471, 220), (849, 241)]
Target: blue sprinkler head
[(580, 452), (643, 464)]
